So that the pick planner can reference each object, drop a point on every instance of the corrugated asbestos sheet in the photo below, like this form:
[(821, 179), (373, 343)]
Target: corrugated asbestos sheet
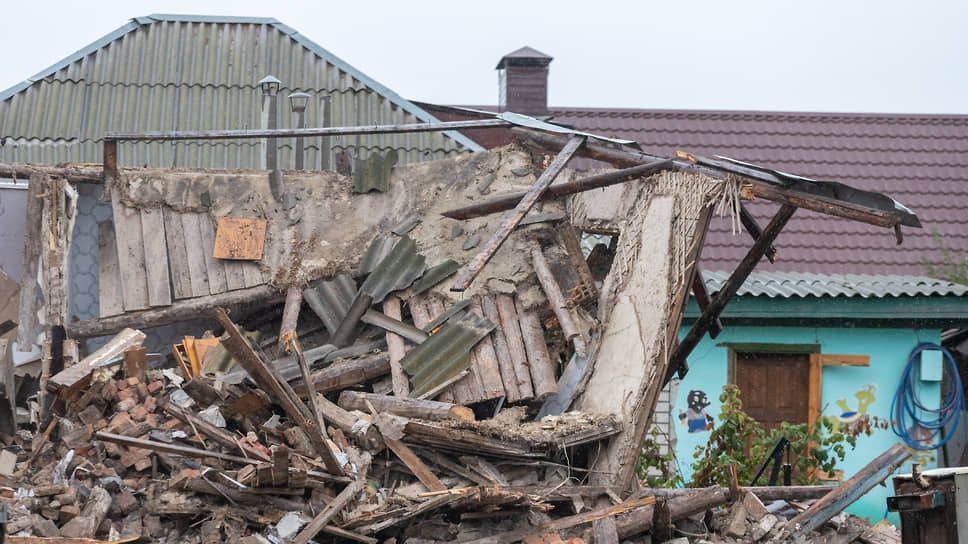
[(331, 300), (801, 284), (401, 267), (446, 353), (175, 72)]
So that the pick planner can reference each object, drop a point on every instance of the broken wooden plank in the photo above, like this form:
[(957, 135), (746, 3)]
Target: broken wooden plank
[(110, 300), (501, 351), (197, 268), (510, 325), (223, 437), (181, 279), (419, 469), (404, 406), (86, 524), (156, 257), (556, 299), (75, 377), (396, 348), (164, 447), (511, 221), (847, 492), (539, 361), (334, 507), (131, 255), (178, 311), (677, 360), (263, 374), (215, 268)]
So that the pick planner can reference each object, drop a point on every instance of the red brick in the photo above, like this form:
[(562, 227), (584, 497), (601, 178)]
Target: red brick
[(156, 386), (121, 384), (150, 404), (133, 381), (68, 512), (127, 394), (127, 502), (138, 413), (142, 391)]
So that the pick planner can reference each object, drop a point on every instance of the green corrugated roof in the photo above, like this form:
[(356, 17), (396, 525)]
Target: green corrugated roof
[(186, 72)]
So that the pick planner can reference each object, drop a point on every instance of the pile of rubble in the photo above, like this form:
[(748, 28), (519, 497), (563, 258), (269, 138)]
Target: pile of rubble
[(422, 409)]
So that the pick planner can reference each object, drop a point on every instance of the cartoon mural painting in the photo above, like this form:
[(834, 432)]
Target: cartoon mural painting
[(695, 418), (856, 421)]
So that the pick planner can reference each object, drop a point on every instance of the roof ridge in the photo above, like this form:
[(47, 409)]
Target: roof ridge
[(312, 46), (825, 115)]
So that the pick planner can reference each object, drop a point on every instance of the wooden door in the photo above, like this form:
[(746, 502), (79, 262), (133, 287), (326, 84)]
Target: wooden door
[(774, 387)]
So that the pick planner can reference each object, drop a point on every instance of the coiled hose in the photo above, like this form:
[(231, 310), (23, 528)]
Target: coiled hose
[(911, 419)]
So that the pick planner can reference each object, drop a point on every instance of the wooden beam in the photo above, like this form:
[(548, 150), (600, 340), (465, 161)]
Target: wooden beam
[(702, 299), (77, 375), (829, 359), (238, 346), (419, 469), (759, 188), (680, 507), (178, 311), (677, 362), (556, 299), (73, 173), (334, 507), (814, 389), (223, 437), (508, 202), (404, 406), (163, 447), (512, 220), (846, 493)]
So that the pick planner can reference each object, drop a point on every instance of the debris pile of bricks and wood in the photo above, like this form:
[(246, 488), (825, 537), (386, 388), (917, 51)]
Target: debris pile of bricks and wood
[(379, 362)]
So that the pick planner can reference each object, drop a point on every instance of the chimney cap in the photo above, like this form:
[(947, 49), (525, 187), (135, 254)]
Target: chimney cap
[(525, 56)]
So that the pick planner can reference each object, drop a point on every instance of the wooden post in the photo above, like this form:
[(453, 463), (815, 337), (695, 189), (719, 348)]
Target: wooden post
[(556, 299), (511, 221), (846, 493), (396, 348), (485, 359)]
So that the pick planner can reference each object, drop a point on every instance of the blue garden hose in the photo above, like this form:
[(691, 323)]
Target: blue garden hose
[(910, 419)]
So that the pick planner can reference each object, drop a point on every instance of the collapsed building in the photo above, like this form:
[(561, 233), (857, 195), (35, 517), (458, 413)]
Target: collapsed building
[(418, 352)]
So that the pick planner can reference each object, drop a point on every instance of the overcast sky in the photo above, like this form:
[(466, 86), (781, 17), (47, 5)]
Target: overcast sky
[(815, 55)]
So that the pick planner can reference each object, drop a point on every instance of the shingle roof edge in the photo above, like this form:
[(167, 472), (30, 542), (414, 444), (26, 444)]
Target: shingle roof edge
[(812, 285), (136, 22)]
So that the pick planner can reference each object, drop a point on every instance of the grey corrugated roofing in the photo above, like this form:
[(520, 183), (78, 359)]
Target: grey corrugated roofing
[(184, 72), (397, 270), (804, 284), (446, 353)]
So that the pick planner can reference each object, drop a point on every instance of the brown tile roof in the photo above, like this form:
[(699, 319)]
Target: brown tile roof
[(919, 160)]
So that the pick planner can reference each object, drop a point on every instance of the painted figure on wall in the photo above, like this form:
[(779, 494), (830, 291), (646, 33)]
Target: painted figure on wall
[(695, 418), (855, 421)]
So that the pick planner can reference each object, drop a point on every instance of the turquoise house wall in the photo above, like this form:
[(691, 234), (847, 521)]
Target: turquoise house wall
[(888, 349)]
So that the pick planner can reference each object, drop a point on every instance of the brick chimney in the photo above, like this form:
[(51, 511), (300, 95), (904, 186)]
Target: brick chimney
[(523, 82)]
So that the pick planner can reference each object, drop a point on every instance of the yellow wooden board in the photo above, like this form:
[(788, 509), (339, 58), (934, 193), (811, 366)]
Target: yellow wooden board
[(239, 239)]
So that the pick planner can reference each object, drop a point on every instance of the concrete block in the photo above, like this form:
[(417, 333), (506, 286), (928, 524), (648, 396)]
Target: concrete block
[(764, 526), (754, 507), (737, 523)]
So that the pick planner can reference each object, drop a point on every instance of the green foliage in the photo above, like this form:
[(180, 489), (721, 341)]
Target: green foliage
[(652, 458), (813, 451), (952, 265)]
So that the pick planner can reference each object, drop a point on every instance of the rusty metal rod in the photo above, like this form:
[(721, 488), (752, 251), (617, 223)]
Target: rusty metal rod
[(511, 221), (302, 132), (508, 202)]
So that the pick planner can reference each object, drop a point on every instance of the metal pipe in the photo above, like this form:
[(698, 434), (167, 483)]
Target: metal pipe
[(289, 133)]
